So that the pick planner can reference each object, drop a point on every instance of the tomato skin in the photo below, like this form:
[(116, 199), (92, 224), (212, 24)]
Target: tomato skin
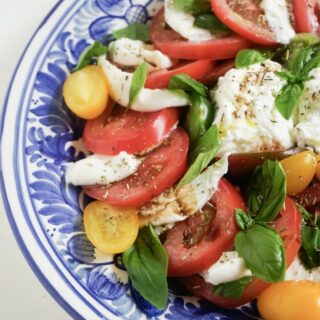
[(300, 170), (185, 261), (247, 27), (154, 175), (110, 229), (218, 71), (171, 43), (241, 165), (288, 224), (290, 300), (195, 69), (304, 12), (130, 131)]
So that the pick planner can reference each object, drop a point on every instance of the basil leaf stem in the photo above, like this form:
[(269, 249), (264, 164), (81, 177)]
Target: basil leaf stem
[(147, 264)]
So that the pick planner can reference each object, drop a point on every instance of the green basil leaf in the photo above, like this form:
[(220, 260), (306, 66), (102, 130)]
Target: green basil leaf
[(192, 6), (267, 191), (186, 83), (288, 98), (299, 42), (211, 22), (202, 155), (247, 57), (147, 263), (303, 57), (288, 76), (89, 53), (199, 117), (135, 31), (244, 221), (138, 81), (262, 249), (310, 248), (233, 289)]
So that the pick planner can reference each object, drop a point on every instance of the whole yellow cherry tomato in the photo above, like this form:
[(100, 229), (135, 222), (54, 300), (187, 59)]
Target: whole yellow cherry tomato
[(111, 230), (86, 92), (300, 170), (290, 300), (318, 167)]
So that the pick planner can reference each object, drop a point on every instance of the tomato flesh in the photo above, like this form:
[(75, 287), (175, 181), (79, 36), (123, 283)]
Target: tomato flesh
[(195, 69), (172, 44), (306, 16), (185, 260), (128, 130), (288, 224), (244, 18), (158, 172)]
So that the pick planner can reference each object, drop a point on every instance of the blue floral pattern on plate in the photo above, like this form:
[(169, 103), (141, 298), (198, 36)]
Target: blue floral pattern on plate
[(52, 139)]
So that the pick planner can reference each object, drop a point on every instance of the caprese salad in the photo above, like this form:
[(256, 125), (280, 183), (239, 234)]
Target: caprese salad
[(203, 138)]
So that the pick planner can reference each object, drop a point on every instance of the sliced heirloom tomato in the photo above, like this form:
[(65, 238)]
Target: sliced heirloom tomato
[(306, 13), (158, 171), (128, 130), (218, 71), (172, 44), (288, 224), (244, 18), (187, 260), (195, 69)]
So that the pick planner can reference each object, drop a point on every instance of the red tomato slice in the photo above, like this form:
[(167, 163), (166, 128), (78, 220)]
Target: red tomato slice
[(158, 172), (244, 18), (127, 130), (195, 69), (218, 71), (288, 224), (306, 15), (185, 261), (172, 44)]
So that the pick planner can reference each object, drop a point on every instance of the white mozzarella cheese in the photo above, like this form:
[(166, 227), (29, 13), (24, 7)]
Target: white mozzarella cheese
[(246, 116), (132, 53), (229, 267), (176, 205), (183, 23), (297, 272), (101, 169), (148, 100), (277, 15), (307, 130)]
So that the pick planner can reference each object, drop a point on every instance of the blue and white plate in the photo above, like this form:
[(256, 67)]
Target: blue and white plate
[(39, 136)]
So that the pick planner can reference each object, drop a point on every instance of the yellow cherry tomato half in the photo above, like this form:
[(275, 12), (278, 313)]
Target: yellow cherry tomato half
[(290, 300), (318, 167), (110, 229), (86, 92), (300, 170)]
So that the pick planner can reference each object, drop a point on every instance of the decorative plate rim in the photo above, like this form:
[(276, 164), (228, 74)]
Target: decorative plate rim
[(18, 235)]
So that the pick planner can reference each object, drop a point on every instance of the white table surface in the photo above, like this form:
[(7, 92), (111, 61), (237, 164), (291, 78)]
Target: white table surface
[(22, 296)]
